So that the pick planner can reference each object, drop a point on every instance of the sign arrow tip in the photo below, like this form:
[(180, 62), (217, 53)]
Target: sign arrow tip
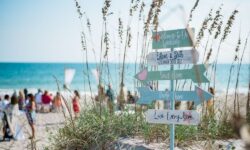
[(142, 76)]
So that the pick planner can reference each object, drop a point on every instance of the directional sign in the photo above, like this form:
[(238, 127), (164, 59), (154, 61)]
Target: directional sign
[(184, 117), (146, 75), (171, 38), (173, 57), (147, 96)]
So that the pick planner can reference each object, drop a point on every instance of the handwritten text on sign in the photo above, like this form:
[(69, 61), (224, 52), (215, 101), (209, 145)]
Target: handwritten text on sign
[(171, 39), (184, 117), (146, 75), (147, 96), (174, 57)]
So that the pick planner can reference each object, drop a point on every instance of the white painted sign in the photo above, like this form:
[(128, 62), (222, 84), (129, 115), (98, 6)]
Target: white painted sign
[(183, 117), (174, 57)]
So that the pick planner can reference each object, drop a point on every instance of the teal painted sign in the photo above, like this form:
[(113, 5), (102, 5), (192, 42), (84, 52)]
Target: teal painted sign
[(183, 117), (196, 74), (173, 57), (147, 96), (171, 39)]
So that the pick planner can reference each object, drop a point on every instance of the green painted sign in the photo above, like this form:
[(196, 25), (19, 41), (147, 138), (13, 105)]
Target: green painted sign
[(196, 74), (171, 39)]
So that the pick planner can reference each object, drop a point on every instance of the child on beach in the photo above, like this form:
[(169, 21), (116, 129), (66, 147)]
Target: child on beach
[(31, 113), (75, 103)]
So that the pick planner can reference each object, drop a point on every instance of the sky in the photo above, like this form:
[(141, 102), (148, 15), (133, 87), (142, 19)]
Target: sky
[(49, 30)]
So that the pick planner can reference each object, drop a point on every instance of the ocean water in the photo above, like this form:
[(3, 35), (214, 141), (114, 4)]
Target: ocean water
[(15, 76)]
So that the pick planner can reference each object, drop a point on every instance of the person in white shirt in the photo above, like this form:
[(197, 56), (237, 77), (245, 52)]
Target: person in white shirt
[(38, 99)]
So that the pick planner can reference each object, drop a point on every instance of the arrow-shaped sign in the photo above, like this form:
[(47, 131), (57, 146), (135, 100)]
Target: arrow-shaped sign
[(172, 38), (184, 117), (173, 57), (192, 73), (147, 96)]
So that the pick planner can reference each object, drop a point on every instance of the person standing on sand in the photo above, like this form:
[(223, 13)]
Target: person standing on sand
[(75, 103), (46, 100), (57, 102), (210, 102), (38, 99), (110, 95), (31, 113), (12, 112), (21, 100), (3, 104), (25, 91)]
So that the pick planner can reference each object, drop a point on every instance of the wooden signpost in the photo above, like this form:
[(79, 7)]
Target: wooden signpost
[(173, 39), (174, 57), (147, 96), (183, 117), (146, 75)]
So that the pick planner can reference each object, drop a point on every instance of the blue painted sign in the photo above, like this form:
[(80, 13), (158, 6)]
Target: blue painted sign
[(147, 96), (172, 38), (196, 74)]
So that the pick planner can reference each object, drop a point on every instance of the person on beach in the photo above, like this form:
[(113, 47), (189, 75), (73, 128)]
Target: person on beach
[(76, 104), (12, 112), (25, 91), (130, 98), (3, 104), (46, 100), (31, 113), (38, 99), (110, 95), (57, 102), (21, 100), (6, 101), (210, 102)]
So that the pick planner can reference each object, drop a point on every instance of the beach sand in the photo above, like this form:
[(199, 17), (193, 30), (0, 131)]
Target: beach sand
[(45, 123), (50, 122)]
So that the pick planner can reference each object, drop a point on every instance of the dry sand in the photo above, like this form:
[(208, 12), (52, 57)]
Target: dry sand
[(46, 123)]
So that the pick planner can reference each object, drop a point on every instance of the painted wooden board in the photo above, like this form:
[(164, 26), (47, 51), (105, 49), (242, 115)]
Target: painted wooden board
[(171, 39), (182, 117), (173, 57), (147, 96), (146, 75)]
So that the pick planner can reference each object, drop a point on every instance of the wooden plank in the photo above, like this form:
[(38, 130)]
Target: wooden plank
[(146, 75), (171, 39), (174, 57), (181, 117), (147, 96)]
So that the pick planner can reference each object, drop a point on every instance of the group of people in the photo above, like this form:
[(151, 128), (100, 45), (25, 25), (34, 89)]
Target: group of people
[(107, 97), (30, 104), (9, 112)]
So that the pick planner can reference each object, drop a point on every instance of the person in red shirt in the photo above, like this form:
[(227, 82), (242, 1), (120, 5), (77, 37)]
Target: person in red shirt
[(46, 100)]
